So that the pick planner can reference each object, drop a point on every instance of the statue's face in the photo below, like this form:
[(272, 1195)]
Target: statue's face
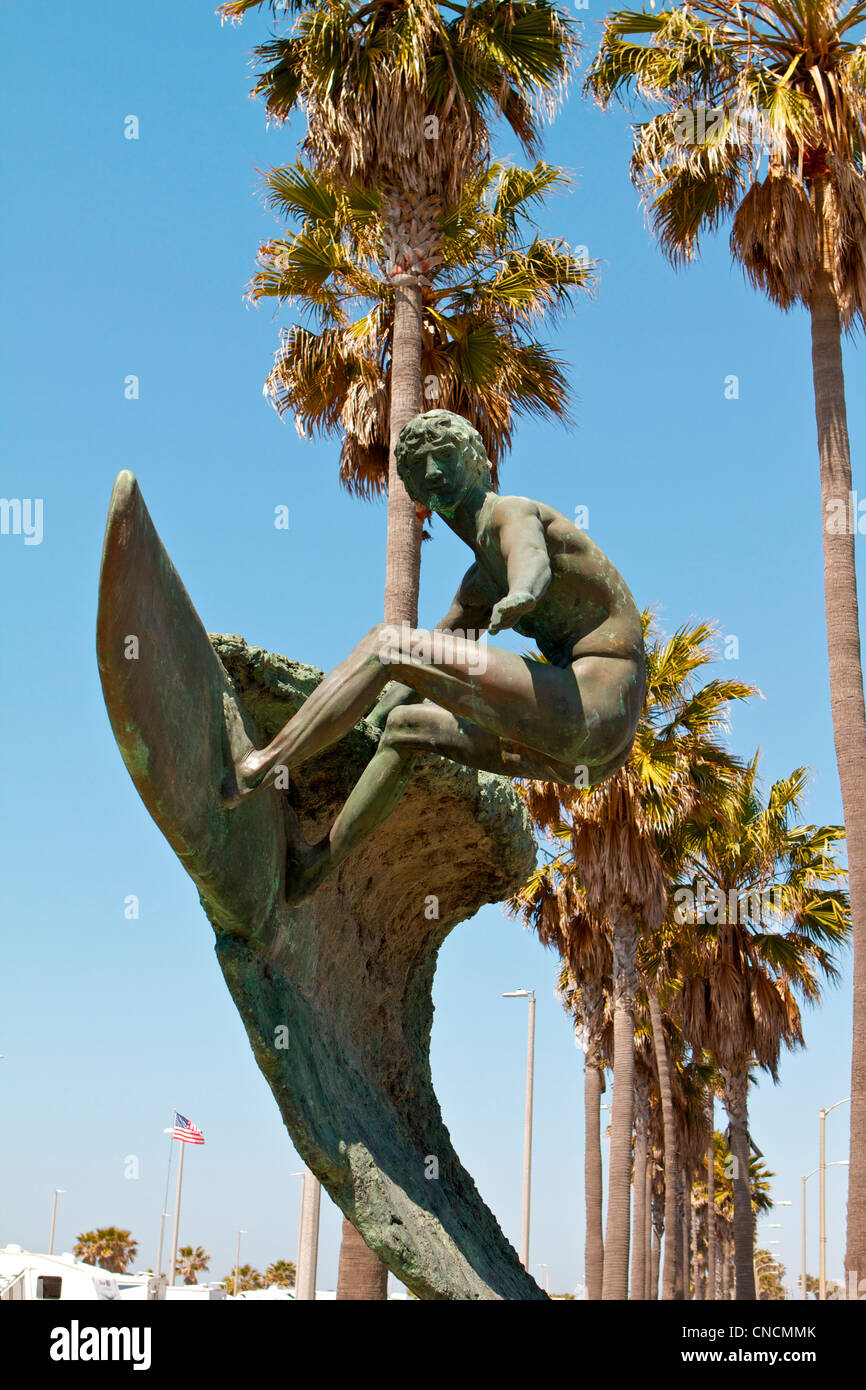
[(435, 475)]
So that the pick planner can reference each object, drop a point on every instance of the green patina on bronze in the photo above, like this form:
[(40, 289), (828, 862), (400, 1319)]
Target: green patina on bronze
[(348, 972)]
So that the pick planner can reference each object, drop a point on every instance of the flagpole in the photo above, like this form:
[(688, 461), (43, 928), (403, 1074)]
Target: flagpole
[(172, 1267)]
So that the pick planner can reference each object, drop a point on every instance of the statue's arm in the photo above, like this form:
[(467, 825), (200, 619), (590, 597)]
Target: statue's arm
[(523, 547)]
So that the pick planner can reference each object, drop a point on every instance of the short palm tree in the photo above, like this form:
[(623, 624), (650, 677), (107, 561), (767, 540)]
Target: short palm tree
[(108, 1247), (247, 1278), (766, 908), (764, 123), (714, 1195), (398, 99), (192, 1260), (282, 1273)]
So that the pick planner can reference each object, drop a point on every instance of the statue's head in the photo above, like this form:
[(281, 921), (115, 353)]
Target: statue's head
[(441, 458)]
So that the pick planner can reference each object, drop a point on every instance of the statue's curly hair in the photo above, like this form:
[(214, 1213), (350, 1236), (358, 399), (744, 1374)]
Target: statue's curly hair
[(438, 425)]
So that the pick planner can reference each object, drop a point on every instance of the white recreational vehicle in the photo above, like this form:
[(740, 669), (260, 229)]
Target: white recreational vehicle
[(32, 1277)]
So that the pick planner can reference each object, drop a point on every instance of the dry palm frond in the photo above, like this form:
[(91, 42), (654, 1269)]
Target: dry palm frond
[(775, 236)]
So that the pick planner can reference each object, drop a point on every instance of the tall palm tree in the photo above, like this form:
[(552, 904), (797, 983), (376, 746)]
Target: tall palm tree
[(398, 99), (108, 1247), (497, 278), (192, 1260), (766, 908), (642, 1094), (671, 1154), (480, 358), (782, 82), (619, 834)]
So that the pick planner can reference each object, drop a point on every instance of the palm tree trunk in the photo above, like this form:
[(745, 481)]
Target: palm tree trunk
[(711, 1206), (403, 552), (840, 525), (638, 1256), (361, 1276), (593, 1085), (726, 1267), (689, 1263), (648, 1230), (616, 1244), (736, 1104), (670, 1137), (677, 1237), (658, 1231), (364, 1271)]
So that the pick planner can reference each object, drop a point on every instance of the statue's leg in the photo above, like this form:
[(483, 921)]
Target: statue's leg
[(341, 699), (582, 714), (410, 730)]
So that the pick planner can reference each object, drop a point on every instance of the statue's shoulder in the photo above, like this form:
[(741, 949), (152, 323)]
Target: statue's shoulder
[(510, 509)]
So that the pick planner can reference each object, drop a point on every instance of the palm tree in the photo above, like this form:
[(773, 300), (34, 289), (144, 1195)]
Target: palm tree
[(643, 1079), (497, 279), (771, 1275), (785, 80), (192, 1261), (108, 1247), (398, 99), (765, 909), (282, 1273), (719, 1206), (619, 834), (248, 1278), (671, 1156)]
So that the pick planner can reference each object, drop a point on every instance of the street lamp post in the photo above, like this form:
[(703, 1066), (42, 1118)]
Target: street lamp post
[(527, 1127), (839, 1163), (236, 1290), (822, 1199), (58, 1191)]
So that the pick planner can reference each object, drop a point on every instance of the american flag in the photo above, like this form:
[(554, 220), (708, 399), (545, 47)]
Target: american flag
[(186, 1131)]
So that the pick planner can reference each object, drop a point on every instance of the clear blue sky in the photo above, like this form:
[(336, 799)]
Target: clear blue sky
[(131, 257)]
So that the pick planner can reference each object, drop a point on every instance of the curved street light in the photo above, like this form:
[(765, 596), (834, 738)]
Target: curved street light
[(822, 1210)]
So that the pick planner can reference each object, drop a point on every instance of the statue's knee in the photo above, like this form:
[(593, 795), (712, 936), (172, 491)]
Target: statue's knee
[(399, 726)]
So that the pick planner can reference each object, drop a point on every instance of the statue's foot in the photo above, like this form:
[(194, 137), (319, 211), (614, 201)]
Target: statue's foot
[(242, 774)]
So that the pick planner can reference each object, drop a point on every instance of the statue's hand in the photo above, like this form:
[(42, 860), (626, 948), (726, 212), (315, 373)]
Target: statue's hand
[(510, 610)]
